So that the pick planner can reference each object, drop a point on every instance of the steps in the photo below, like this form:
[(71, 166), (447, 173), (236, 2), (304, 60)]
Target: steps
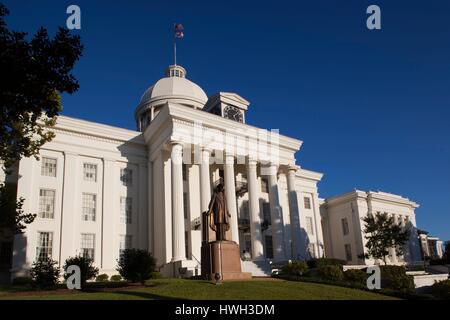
[(257, 268)]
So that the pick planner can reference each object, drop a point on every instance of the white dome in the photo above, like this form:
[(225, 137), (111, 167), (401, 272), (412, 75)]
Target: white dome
[(175, 89)]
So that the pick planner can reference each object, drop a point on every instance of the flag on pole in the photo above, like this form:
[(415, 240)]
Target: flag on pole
[(179, 31)]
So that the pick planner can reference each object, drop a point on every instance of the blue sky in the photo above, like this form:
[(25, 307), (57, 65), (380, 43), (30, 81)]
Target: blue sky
[(372, 107)]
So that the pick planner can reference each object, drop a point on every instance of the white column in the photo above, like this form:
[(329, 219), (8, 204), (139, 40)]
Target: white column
[(415, 254), (144, 203), (108, 236), (276, 215), (205, 181), (230, 195), (392, 250), (70, 221), (318, 225), (177, 203), (294, 212), (150, 206), (254, 208)]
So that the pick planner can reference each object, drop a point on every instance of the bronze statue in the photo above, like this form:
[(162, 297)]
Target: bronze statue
[(220, 256), (218, 215)]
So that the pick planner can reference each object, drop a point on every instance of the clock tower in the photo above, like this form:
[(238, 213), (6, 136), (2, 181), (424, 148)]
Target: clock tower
[(228, 105)]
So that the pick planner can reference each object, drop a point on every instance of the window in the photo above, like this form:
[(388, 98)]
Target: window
[(125, 210), (184, 172), (46, 204), (186, 244), (309, 225), (126, 177), (345, 226), (245, 210), (348, 252), (185, 205), (89, 206), (264, 185), (244, 219), (48, 167), (269, 247), (307, 201), (88, 245), (266, 212), (248, 242), (125, 243), (90, 172), (44, 245), (6, 254)]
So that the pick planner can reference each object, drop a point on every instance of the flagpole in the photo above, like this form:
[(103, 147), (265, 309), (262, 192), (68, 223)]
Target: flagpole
[(174, 45), (175, 50)]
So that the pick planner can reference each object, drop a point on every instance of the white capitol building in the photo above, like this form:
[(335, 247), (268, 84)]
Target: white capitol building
[(99, 189)]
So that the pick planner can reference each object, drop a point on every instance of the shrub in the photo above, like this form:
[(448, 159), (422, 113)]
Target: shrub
[(441, 289), (45, 273), (295, 268), (355, 276), (331, 272), (136, 265), (156, 275), (115, 278), (395, 277), (87, 269), (23, 281), (102, 278), (322, 262), (438, 262)]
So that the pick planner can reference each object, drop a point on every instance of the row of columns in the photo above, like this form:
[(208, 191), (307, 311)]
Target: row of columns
[(178, 235), (402, 220)]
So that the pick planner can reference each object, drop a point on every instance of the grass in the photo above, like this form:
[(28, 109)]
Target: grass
[(204, 290)]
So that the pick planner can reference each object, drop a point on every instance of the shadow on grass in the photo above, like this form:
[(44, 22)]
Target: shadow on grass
[(146, 295)]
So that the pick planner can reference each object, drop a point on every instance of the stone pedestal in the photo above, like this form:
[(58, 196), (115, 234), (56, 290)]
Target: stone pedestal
[(222, 257)]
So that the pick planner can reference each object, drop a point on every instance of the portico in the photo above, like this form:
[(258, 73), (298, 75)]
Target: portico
[(214, 158)]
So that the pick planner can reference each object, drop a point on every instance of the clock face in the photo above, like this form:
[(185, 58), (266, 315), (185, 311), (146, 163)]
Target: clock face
[(233, 113)]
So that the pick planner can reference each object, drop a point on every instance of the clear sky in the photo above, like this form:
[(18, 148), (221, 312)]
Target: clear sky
[(372, 107)]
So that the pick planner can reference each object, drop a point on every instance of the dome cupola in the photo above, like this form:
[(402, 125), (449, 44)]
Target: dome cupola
[(173, 88)]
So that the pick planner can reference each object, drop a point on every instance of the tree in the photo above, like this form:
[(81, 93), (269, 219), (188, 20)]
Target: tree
[(33, 75), (12, 217), (382, 234), (87, 269), (136, 265), (45, 273), (446, 255)]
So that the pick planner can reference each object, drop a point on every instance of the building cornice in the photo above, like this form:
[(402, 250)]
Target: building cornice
[(308, 174), (96, 131), (179, 117), (371, 195)]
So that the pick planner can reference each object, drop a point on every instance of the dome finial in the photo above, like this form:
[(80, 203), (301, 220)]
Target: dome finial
[(176, 71)]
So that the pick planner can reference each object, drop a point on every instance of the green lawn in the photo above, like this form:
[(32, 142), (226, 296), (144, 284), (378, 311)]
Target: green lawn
[(197, 290)]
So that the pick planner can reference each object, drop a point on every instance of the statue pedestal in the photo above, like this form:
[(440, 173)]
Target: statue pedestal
[(222, 257)]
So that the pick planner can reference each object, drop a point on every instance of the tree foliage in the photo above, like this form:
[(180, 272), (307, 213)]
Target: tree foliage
[(446, 255), (136, 265), (382, 234), (295, 268), (12, 217), (45, 273), (87, 269), (34, 72)]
